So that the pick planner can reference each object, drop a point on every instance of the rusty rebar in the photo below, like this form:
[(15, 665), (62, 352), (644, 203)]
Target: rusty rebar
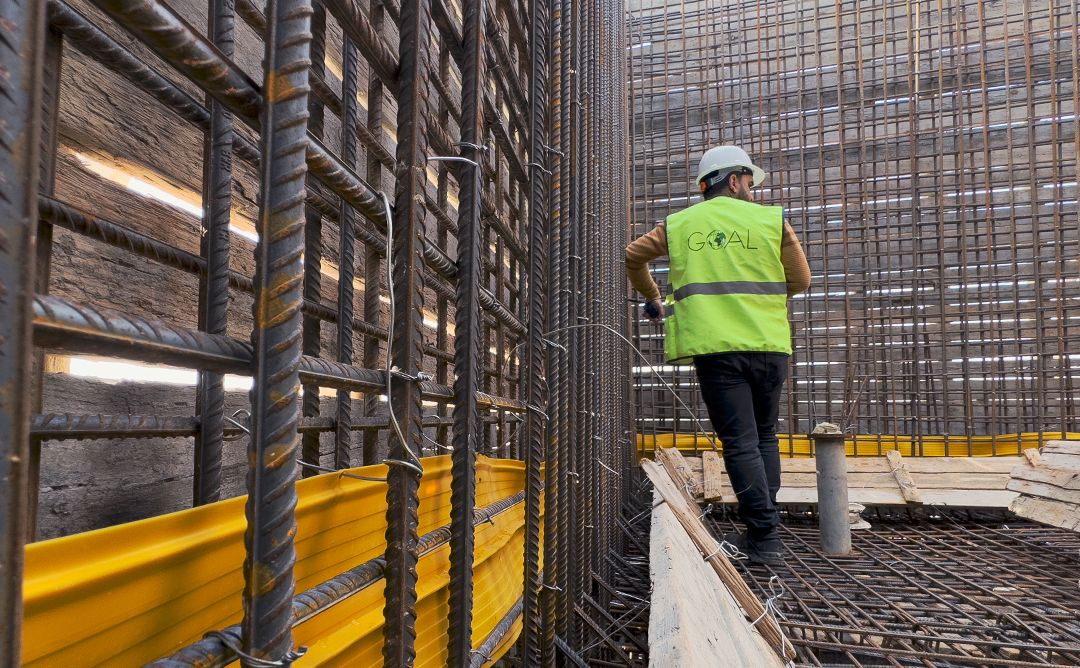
[(276, 337), (22, 39), (466, 344), (405, 257), (536, 428), (214, 281)]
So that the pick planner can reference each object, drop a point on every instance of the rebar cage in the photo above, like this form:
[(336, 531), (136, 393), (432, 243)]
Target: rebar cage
[(377, 231), (926, 155)]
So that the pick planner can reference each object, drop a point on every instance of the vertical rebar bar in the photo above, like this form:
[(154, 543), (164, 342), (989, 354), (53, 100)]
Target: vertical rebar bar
[(405, 255), (22, 38), (534, 372), (467, 342), (372, 262), (313, 251), (562, 304), (276, 339), (53, 59), (346, 254), (214, 283)]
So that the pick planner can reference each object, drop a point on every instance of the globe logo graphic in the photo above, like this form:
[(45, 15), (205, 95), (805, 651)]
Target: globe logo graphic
[(717, 239)]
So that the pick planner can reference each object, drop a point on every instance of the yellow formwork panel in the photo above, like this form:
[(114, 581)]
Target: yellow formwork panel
[(872, 445), (136, 592)]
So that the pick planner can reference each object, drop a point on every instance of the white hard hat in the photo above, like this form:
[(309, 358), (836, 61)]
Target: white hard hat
[(726, 159)]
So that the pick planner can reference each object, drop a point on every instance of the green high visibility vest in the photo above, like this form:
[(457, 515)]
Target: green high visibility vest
[(729, 292)]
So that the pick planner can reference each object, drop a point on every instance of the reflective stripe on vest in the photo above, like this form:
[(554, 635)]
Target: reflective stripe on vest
[(729, 292)]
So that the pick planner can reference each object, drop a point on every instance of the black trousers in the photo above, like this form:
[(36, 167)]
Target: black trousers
[(742, 393)]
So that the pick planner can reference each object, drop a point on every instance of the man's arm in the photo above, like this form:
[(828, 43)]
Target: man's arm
[(796, 269), (639, 254)]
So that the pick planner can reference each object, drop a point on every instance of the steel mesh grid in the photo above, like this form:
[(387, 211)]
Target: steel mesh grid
[(926, 156), (945, 588)]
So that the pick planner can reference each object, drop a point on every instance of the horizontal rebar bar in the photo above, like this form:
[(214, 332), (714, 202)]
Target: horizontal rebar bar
[(62, 325)]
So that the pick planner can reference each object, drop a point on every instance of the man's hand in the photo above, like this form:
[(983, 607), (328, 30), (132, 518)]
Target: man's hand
[(654, 310)]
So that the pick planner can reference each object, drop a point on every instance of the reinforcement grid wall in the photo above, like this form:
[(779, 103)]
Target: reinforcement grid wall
[(359, 222), (926, 155)]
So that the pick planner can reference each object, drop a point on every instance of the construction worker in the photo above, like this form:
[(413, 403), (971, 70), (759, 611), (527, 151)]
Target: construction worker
[(733, 266)]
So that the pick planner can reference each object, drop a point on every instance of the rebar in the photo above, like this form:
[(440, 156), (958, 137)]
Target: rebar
[(482, 264), (536, 419), (276, 340), (467, 346), (944, 588), (922, 153), (405, 256), (214, 282), (22, 38)]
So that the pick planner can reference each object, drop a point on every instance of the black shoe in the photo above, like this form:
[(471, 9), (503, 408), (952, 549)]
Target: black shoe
[(736, 539), (769, 551)]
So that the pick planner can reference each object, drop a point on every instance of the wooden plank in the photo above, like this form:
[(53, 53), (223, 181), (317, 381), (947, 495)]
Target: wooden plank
[(1033, 457), (679, 470), (713, 476), (1045, 490), (893, 497), (915, 465), (1063, 478), (934, 465), (1062, 447), (976, 481), (907, 486), (694, 620), (1047, 511), (685, 511), (1064, 454)]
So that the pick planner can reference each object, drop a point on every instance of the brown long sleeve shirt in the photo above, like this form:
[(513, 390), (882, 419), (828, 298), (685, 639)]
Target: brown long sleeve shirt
[(645, 249)]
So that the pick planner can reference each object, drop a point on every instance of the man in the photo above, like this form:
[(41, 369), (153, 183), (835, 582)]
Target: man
[(733, 266)]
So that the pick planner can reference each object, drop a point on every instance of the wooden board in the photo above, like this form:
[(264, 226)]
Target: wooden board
[(695, 622), (903, 478), (713, 479), (971, 482), (1049, 485), (685, 511), (1047, 511), (1064, 454), (678, 469)]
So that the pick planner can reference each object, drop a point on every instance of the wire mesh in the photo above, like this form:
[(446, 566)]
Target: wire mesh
[(926, 155)]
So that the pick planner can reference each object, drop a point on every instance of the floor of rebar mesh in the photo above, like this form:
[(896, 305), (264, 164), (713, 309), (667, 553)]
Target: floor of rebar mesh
[(933, 589)]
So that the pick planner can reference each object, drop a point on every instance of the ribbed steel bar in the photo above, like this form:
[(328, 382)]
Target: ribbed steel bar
[(276, 339), (553, 464), (114, 234), (52, 66), (164, 31), (536, 427), (565, 565), (592, 217), (467, 343), (364, 35), (214, 281), (575, 442), (953, 322), (65, 426), (406, 344), (347, 251), (372, 263), (311, 336), (22, 39), (482, 654), (254, 17), (862, 607), (64, 326), (212, 653)]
